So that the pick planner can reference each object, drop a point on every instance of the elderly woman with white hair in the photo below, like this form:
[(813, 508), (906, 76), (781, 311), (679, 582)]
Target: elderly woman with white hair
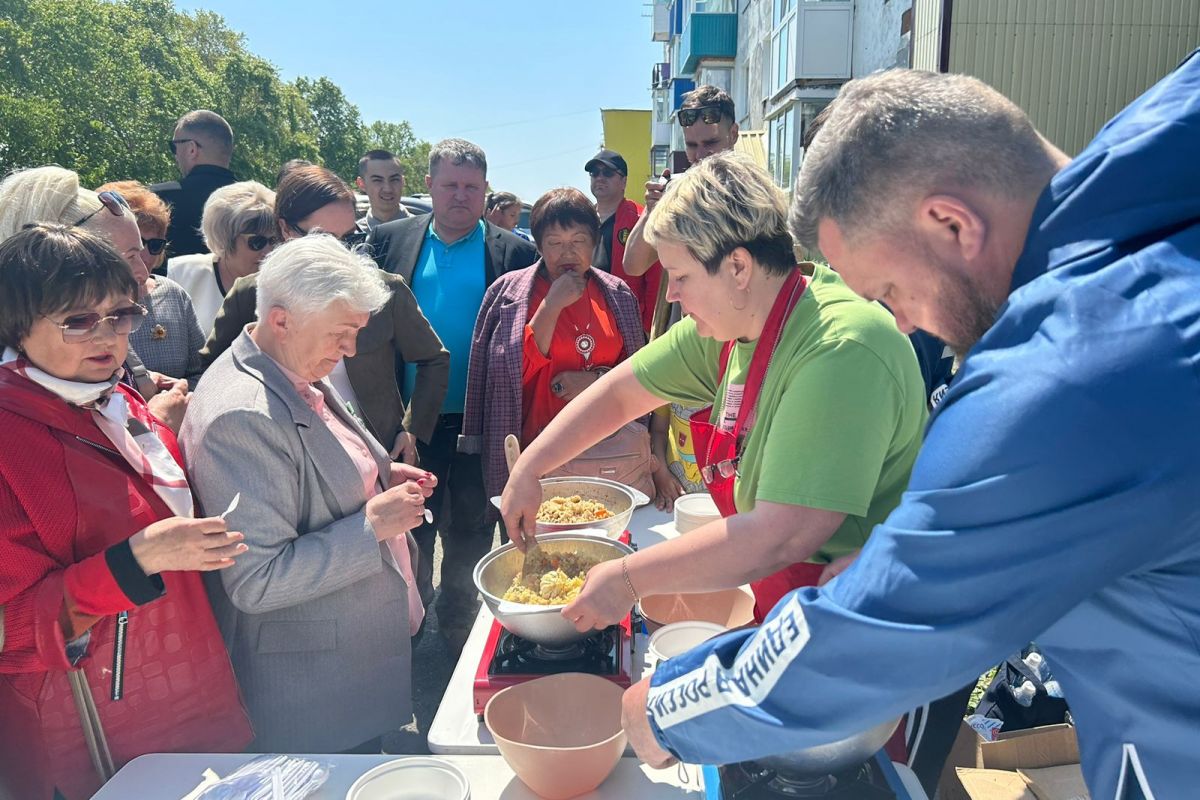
[(239, 231), (319, 612)]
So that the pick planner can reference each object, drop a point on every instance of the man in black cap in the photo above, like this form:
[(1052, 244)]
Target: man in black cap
[(203, 146), (618, 215)]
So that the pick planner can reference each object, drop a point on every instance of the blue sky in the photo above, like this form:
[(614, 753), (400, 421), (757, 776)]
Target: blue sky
[(525, 80)]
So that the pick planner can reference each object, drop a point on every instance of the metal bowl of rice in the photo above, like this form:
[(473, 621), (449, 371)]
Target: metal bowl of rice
[(620, 501)]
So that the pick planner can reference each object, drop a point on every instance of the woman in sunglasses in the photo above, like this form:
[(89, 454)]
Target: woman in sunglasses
[(109, 646), (816, 403), (52, 194), (170, 339), (239, 229)]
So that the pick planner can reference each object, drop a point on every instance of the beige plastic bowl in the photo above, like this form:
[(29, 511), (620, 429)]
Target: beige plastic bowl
[(729, 608), (694, 510), (417, 778), (679, 637), (560, 734)]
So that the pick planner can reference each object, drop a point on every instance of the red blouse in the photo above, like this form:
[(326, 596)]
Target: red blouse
[(589, 315)]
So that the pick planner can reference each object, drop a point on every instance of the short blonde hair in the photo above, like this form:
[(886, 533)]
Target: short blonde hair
[(242, 207), (720, 204), (43, 194)]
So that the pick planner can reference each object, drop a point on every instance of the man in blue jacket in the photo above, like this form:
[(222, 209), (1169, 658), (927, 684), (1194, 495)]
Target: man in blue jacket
[(1055, 496)]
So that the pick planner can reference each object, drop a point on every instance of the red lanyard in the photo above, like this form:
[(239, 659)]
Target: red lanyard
[(789, 295)]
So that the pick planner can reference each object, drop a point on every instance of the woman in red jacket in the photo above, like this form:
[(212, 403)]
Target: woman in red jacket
[(108, 647)]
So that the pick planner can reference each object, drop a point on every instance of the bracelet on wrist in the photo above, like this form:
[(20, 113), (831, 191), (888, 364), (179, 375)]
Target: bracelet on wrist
[(628, 583)]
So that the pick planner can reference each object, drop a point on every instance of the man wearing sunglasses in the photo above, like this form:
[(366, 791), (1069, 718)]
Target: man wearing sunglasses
[(707, 117), (202, 144)]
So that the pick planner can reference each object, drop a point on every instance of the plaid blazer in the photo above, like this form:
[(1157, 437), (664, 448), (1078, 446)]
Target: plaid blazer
[(493, 405)]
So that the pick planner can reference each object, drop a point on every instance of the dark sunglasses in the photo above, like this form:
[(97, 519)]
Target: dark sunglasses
[(352, 239), (82, 328), (258, 242), (174, 144), (153, 246), (603, 172), (111, 200), (709, 115)]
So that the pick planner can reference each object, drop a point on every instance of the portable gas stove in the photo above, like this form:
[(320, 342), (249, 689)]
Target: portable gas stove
[(509, 660), (876, 779)]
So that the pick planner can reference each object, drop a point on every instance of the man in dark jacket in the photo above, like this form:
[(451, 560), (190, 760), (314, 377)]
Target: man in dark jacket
[(449, 258), (202, 145)]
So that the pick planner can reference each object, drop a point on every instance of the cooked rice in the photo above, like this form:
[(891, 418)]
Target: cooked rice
[(571, 509)]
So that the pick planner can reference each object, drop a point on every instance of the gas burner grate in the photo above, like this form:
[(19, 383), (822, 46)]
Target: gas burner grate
[(596, 654)]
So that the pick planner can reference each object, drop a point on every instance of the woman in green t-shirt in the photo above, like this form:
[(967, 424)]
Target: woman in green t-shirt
[(817, 403)]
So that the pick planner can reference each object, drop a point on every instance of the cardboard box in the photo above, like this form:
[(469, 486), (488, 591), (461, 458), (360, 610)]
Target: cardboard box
[(1014, 767)]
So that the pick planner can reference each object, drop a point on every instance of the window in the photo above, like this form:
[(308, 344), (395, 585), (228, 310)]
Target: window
[(659, 159), (721, 77), (781, 146), (783, 45), (808, 112), (711, 6), (662, 106), (741, 99)]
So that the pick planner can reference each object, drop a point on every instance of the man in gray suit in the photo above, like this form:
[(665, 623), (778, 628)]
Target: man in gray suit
[(318, 613)]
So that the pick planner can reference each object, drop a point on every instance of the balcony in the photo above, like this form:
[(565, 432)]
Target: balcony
[(660, 76), (661, 20), (707, 35)]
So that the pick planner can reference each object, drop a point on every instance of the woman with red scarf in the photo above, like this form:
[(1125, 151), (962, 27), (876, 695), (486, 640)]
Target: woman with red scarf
[(108, 647)]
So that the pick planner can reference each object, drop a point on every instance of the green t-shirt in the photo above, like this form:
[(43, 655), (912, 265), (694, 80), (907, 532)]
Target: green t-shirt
[(840, 415)]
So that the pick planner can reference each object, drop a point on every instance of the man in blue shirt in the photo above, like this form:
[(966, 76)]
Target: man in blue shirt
[(449, 258), (1054, 498)]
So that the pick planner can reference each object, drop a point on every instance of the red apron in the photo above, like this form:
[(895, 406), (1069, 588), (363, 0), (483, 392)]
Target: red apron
[(718, 451)]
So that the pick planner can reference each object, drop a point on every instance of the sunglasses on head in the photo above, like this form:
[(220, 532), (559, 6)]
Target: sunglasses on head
[(709, 115), (81, 328), (603, 172), (153, 246), (174, 144), (352, 239), (111, 200), (257, 242)]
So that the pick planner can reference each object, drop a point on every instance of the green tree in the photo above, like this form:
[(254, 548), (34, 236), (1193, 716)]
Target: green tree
[(97, 86)]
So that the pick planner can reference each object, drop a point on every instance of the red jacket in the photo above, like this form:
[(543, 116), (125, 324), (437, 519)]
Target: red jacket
[(66, 496), (645, 287)]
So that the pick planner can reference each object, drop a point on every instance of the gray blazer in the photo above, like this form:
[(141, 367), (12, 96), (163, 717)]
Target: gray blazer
[(315, 615)]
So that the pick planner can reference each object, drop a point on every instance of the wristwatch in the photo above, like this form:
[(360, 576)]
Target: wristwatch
[(601, 371), (557, 387)]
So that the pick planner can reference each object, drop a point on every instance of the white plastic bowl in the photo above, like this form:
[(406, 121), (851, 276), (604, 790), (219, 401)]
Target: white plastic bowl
[(679, 637), (694, 510), (416, 778)]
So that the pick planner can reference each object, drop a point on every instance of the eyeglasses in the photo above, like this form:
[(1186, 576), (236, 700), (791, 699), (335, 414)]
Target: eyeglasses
[(82, 328), (351, 239), (174, 144), (603, 172), (111, 200), (709, 115), (153, 246), (726, 469), (258, 242)]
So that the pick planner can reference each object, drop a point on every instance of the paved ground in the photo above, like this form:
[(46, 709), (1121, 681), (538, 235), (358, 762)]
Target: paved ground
[(433, 661)]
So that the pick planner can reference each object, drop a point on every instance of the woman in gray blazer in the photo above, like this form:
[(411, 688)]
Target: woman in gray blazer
[(318, 613)]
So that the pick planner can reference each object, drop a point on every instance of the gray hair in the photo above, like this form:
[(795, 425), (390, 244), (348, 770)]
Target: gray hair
[(43, 194), (243, 207), (721, 203), (308, 274), (902, 134), (457, 151)]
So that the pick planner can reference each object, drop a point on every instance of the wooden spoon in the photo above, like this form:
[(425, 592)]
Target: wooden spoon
[(512, 451)]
